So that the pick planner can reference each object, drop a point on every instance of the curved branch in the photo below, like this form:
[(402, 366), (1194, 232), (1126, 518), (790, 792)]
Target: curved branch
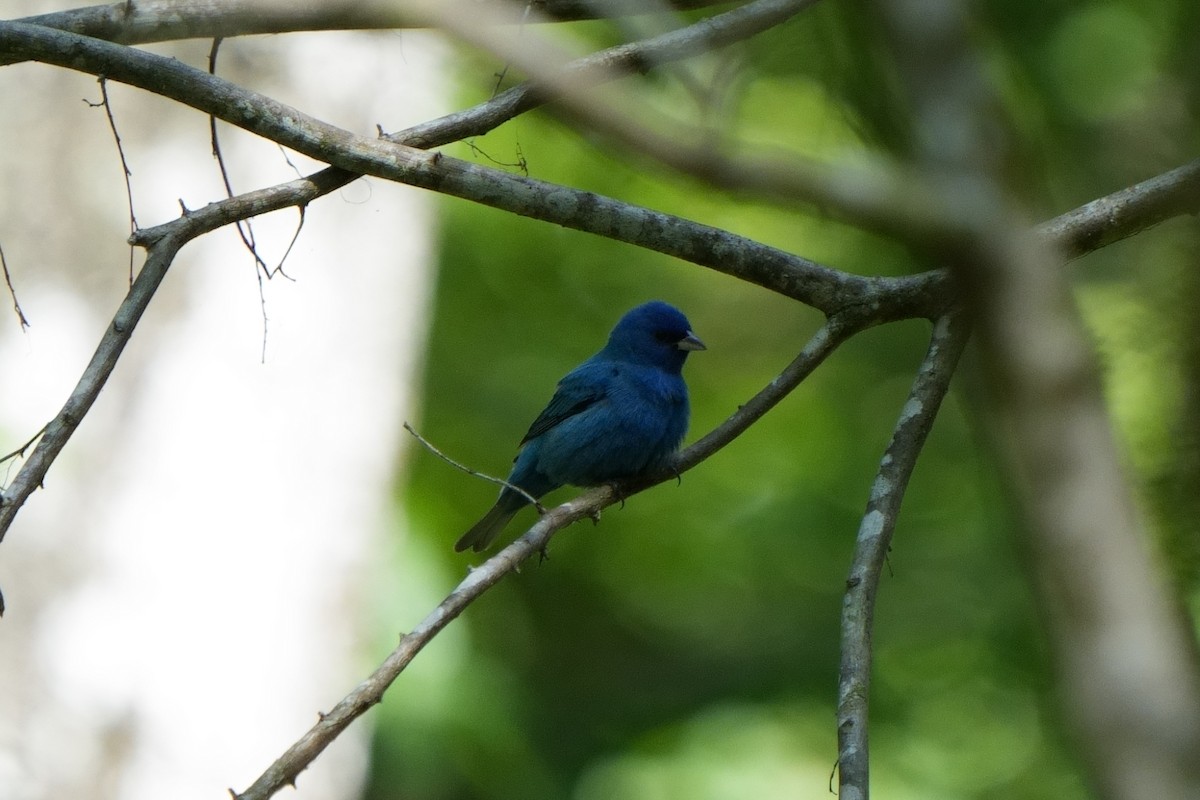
[(879, 196), (148, 21), (928, 294), (160, 255), (825, 289), (835, 293), (720, 30), (287, 767), (1126, 212), (949, 337), (56, 433), (800, 279)]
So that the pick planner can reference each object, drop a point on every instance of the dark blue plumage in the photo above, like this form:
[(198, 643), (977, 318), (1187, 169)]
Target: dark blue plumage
[(622, 412)]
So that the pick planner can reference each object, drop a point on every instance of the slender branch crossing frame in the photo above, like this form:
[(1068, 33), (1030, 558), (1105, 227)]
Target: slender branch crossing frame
[(97, 41)]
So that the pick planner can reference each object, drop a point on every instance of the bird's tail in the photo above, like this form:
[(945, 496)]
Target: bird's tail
[(482, 533)]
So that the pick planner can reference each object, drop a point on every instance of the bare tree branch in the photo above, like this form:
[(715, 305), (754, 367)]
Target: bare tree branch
[(879, 196), (932, 382), (162, 247), (126, 173), (709, 34), (890, 199), (149, 21), (826, 289), (796, 277), (1127, 663), (1124, 213), (428, 445), (690, 240), (12, 292), (104, 360), (587, 505), (913, 204)]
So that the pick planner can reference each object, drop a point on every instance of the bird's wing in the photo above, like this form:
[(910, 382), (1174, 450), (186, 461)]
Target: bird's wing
[(576, 392)]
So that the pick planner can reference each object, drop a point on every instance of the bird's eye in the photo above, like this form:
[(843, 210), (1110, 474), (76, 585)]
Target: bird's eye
[(666, 337)]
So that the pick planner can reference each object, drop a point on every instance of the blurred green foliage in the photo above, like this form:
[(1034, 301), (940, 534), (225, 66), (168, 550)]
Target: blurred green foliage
[(687, 646)]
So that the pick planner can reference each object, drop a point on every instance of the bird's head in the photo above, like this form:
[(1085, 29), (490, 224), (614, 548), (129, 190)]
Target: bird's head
[(653, 333)]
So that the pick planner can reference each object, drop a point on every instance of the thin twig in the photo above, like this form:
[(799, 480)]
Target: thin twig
[(929, 387), (244, 227), (12, 292), (827, 338), (822, 287), (791, 275), (330, 725), (459, 465), (125, 171), (595, 69), (59, 430), (20, 451), (288, 160), (431, 175), (303, 133), (162, 245), (520, 28), (292, 243)]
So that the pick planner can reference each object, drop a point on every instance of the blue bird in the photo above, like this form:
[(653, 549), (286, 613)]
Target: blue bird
[(622, 412)]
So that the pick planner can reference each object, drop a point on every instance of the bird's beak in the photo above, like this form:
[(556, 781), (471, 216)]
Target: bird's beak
[(691, 342)]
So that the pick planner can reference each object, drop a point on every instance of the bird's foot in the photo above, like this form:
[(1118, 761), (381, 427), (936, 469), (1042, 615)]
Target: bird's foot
[(619, 493)]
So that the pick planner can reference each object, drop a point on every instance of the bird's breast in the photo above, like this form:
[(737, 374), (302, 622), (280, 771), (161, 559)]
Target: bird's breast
[(637, 424)]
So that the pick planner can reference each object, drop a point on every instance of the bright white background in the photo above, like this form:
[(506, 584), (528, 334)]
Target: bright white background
[(186, 592)]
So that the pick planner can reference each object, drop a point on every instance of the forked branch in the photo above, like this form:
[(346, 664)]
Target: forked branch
[(932, 382), (287, 767)]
